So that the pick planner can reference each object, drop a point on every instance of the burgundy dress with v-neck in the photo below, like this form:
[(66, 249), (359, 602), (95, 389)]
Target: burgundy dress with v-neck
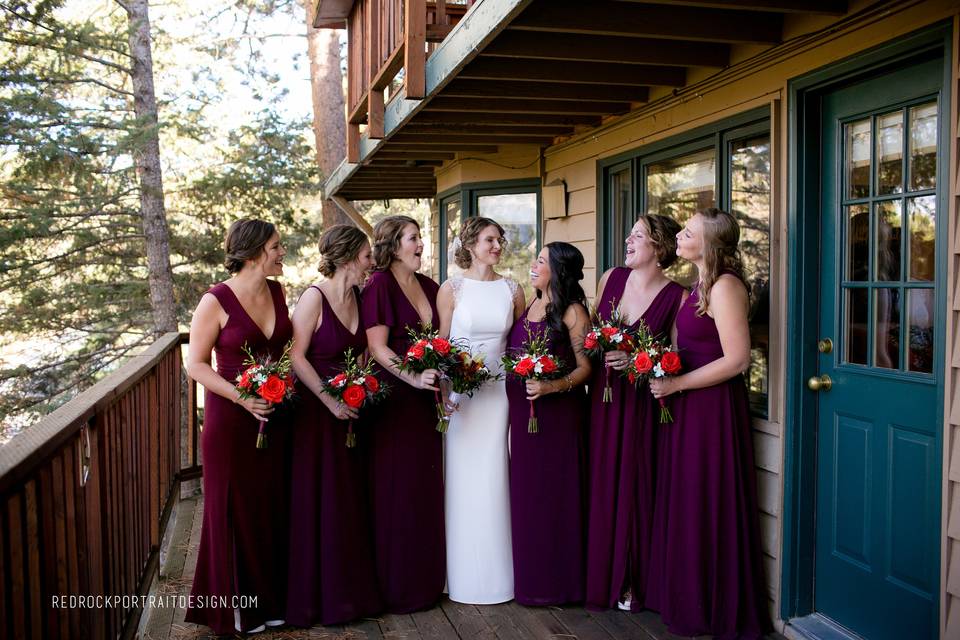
[(331, 576), (622, 453), (406, 462), (243, 543)]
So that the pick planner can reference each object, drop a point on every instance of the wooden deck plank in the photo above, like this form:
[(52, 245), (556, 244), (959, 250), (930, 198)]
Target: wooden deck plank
[(434, 624), (467, 620), (580, 624), (618, 624), (504, 622)]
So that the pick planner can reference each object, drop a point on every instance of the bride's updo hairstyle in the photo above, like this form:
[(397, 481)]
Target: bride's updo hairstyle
[(340, 245), (566, 272), (721, 252), (470, 235), (245, 241)]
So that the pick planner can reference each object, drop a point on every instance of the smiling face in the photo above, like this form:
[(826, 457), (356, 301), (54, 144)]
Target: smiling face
[(640, 251), (410, 250), (540, 271), (489, 246), (271, 259), (690, 239), (359, 268)]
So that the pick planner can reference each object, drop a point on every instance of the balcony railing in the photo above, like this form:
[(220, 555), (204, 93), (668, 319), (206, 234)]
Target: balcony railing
[(384, 39), (85, 496)]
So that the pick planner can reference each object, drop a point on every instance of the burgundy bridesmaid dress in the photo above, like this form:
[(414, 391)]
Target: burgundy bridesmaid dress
[(406, 463), (243, 543), (705, 575), (332, 578), (546, 497), (622, 453)]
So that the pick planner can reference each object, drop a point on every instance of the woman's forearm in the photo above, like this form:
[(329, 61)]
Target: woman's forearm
[(720, 370), (212, 381), (308, 375)]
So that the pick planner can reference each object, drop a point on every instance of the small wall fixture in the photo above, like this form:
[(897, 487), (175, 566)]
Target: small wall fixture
[(554, 199)]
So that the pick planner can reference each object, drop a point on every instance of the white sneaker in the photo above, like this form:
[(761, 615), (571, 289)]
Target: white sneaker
[(275, 623), (236, 624), (259, 629), (624, 605)]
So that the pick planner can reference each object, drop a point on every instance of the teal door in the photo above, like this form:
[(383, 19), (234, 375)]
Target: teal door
[(877, 549)]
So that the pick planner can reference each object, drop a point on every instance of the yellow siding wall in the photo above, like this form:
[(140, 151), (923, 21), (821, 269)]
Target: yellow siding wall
[(757, 78)]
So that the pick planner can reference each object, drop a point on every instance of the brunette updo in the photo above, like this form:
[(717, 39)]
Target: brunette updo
[(340, 245), (245, 241), (470, 235), (386, 239), (662, 231)]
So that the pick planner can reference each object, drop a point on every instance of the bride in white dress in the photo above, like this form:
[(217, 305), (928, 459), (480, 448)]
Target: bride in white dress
[(480, 306)]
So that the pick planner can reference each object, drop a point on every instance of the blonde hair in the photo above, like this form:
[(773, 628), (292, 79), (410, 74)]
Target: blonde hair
[(339, 245), (470, 235), (386, 239), (721, 253)]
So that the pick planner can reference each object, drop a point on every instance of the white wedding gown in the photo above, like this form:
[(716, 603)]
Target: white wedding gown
[(476, 459)]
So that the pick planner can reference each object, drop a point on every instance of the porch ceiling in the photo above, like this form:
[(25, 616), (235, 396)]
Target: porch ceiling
[(553, 69)]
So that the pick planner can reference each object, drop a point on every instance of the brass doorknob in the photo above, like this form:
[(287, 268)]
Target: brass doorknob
[(819, 383), (825, 345)]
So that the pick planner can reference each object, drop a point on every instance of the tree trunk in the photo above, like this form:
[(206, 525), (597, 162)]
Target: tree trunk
[(146, 158), (329, 117)]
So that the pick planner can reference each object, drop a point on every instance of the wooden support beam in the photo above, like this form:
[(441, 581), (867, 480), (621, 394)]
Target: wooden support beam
[(358, 114), (620, 49), (412, 146), (476, 129), (379, 163), (386, 154), (531, 120), (580, 72), (415, 56), (507, 88), (437, 32), (510, 105), (390, 68), (422, 194), (374, 96), (375, 114), (825, 7), (355, 216), (448, 138), (353, 142), (614, 18)]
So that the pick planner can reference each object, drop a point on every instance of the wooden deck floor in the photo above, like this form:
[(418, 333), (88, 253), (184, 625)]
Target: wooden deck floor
[(447, 621)]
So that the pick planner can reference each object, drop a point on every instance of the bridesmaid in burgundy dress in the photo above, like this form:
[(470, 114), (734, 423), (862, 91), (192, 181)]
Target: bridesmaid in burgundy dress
[(243, 543), (623, 432), (406, 451), (705, 573), (546, 497), (331, 572)]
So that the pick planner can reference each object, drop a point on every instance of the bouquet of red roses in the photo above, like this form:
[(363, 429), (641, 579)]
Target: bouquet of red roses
[(356, 387), (429, 351), (264, 377), (608, 335), (533, 362), (656, 359)]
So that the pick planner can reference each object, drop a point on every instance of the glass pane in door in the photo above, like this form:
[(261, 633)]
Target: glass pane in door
[(452, 214)]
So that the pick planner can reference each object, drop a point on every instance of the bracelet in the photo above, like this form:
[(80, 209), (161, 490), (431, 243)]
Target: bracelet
[(569, 382)]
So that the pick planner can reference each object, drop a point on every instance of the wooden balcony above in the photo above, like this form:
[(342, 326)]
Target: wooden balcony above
[(530, 72)]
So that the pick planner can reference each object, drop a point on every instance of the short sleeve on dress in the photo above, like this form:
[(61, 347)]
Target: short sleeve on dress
[(456, 283), (376, 307), (513, 287)]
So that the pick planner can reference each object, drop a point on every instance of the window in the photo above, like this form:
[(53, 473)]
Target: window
[(515, 205), (727, 165)]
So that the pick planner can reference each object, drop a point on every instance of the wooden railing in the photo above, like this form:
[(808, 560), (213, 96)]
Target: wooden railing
[(385, 37), (85, 496)]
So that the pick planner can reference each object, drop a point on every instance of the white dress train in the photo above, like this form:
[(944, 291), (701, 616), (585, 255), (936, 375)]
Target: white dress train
[(476, 459)]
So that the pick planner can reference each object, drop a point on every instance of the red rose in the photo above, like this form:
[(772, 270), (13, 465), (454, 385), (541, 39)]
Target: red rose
[(372, 384), (416, 351), (244, 380), (590, 342), (631, 378), (273, 390), (524, 367), (354, 395), (626, 344), (548, 365), (609, 332), (642, 362), (441, 346), (670, 362), (339, 380)]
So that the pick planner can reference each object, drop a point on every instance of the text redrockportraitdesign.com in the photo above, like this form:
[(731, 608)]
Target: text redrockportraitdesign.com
[(153, 601)]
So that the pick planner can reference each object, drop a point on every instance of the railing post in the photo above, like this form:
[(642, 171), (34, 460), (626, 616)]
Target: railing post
[(415, 37)]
